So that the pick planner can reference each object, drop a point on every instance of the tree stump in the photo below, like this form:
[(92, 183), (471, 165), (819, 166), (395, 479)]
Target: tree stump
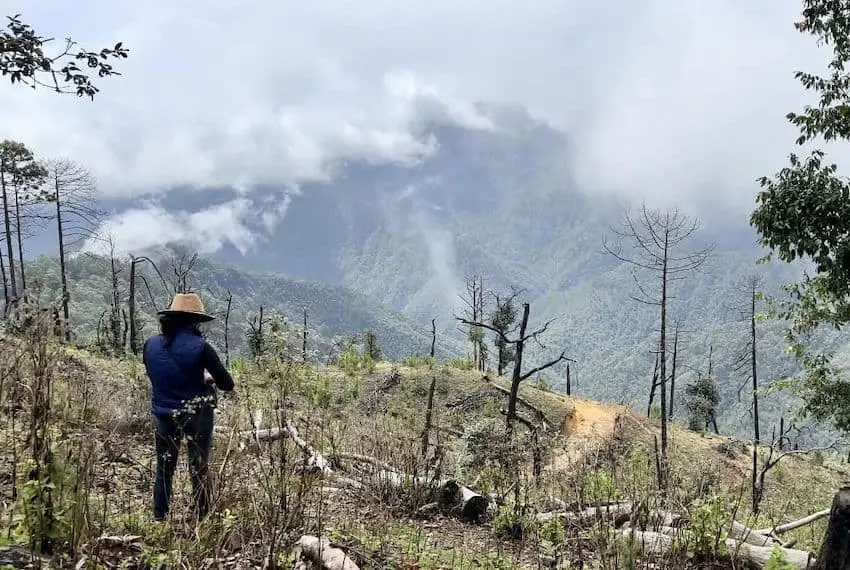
[(835, 550)]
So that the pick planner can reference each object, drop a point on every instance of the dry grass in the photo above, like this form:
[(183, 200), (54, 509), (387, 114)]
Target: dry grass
[(102, 432)]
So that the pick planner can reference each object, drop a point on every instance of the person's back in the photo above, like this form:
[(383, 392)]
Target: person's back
[(175, 368), (182, 400)]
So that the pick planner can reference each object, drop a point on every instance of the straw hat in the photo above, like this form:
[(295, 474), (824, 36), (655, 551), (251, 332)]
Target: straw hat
[(188, 304)]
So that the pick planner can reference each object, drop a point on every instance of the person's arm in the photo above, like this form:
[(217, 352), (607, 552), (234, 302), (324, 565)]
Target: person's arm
[(212, 363)]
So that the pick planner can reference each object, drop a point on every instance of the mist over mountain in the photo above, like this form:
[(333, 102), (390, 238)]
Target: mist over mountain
[(499, 201)]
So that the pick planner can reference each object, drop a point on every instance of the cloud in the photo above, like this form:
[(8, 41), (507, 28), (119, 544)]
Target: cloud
[(664, 99), (151, 227)]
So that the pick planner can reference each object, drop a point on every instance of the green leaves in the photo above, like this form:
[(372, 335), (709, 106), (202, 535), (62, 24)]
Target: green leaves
[(23, 60)]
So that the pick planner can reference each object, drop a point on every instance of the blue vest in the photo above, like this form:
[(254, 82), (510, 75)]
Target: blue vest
[(176, 373)]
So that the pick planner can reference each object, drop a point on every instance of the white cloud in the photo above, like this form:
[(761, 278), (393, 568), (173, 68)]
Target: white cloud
[(667, 99), (143, 229)]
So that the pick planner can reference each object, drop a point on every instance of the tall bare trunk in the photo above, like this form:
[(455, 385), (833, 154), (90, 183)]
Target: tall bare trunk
[(20, 243), (63, 273), (131, 305), (673, 372), (10, 253), (517, 373), (662, 350)]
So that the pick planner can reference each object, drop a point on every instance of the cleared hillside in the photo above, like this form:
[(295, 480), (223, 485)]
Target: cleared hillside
[(364, 422)]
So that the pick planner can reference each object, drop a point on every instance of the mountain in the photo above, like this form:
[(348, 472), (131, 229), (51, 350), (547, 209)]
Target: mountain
[(393, 244)]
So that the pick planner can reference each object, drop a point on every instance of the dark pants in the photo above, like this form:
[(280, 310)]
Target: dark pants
[(198, 429)]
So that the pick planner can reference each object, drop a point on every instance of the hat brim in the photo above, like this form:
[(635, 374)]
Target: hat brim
[(200, 317)]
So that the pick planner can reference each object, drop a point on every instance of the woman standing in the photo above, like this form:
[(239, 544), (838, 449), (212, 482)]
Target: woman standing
[(183, 398)]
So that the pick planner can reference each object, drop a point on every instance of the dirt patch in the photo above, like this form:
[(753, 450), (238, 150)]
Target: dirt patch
[(587, 428)]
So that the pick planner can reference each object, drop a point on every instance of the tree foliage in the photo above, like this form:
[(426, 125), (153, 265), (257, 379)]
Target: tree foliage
[(23, 59), (803, 213)]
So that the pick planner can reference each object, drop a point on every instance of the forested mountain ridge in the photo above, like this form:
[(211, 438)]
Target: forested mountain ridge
[(502, 204)]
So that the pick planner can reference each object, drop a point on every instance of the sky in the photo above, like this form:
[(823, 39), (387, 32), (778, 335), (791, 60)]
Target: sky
[(669, 100)]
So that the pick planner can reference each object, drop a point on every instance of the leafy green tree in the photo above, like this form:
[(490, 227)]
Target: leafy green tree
[(701, 400), (23, 60), (803, 213), (371, 346)]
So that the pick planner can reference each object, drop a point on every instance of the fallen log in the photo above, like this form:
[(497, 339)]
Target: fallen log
[(464, 502), (783, 528), (745, 534), (660, 543), (321, 553), (618, 512)]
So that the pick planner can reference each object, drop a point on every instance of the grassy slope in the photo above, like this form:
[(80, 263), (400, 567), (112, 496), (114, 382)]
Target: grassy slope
[(603, 450)]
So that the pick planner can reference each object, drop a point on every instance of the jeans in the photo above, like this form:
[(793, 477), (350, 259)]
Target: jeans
[(197, 426)]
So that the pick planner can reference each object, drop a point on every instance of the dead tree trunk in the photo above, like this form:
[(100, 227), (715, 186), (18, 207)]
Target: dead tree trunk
[(304, 338), (835, 549), (63, 272), (227, 330), (569, 387), (516, 377), (673, 371), (653, 387), (433, 336), (131, 306), (429, 411), (10, 252)]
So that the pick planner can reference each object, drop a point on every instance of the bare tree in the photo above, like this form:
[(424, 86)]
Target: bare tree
[(748, 360), (518, 344), (181, 266), (131, 299), (227, 329), (71, 187), (657, 246), (475, 302)]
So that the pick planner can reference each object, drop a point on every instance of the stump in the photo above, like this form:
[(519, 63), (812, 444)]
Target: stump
[(835, 550)]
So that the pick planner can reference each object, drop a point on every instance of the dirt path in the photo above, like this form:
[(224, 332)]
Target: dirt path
[(586, 429)]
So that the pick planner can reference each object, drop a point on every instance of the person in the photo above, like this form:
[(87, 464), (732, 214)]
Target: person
[(183, 369)]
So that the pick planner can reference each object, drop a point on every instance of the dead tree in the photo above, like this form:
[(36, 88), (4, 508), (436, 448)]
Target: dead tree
[(673, 372), (131, 300), (303, 335), (72, 189), (256, 335), (748, 360), (474, 299), (772, 460), (658, 246), (569, 383), (433, 337), (653, 387), (227, 329), (518, 344), (182, 266)]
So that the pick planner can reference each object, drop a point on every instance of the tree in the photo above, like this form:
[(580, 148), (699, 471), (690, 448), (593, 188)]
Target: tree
[(503, 322), (23, 60), (181, 266), (701, 400), (748, 360), (371, 346), (498, 325), (658, 242), (803, 213), (475, 301), (18, 170), (71, 188)]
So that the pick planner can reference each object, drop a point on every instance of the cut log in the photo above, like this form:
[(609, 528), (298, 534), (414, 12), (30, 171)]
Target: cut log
[(759, 555), (745, 534), (835, 549), (617, 512), (464, 502), (783, 528), (660, 543), (321, 553)]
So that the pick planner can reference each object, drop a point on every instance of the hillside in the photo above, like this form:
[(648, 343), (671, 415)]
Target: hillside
[(333, 311), (503, 204), (363, 421)]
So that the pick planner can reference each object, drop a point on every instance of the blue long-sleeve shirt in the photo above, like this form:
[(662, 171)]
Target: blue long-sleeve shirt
[(176, 371)]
